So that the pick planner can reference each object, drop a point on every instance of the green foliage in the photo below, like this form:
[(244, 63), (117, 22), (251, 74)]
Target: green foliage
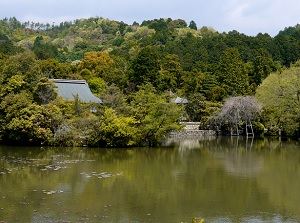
[(23, 64), (44, 91), (7, 46), (52, 68), (193, 25), (44, 50), (155, 115), (66, 135), (288, 48), (97, 85), (98, 63), (157, 24), (139, 34), (77, 106), (258, 128), (121, 62), (14, 85), (232, 76), (263, 65), (116, 130), (195, 107), (53, 116), (116, 100), (118, 41), (192, 82), (178, 23), (279, 94), (197, 220), (145, 68), (199, 109), (27, 126), (170, 75), (23, 121)]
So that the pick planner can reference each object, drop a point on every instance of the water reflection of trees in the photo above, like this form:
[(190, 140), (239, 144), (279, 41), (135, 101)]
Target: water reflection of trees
[(268, 166), (210, 179), (227, 142)]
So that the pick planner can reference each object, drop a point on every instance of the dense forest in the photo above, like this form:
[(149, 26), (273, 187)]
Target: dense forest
[(137, 69)]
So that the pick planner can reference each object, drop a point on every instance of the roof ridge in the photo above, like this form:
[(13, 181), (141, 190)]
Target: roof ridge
[(69, 81)]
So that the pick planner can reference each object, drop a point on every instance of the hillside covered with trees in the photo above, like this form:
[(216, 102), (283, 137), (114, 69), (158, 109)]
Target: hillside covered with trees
[(136, 69)]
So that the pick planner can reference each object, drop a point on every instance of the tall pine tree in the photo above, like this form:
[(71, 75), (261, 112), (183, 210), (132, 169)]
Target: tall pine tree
[(231, 74)]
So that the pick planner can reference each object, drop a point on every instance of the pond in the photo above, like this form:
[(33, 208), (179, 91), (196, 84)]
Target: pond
[(224, 179)]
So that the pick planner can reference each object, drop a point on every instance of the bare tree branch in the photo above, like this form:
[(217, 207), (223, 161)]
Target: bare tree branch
[(237, 109)]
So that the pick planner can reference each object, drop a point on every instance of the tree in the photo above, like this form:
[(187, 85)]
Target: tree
[(192, 82), (157, 24), (44, 50), (97, 85), (154, 114), (7, 46), (119, 75), (115, 99), (52, 68), (199, 109), (193, 25), (24, 64), (15, 84), (99, 63), (140, 33), (44, 91), (263, 65), (23, 122), (231, 73), (178, 23), (238, 110), (280, 95), (170, 73), (145, 68), (117, 131), (288, 48)]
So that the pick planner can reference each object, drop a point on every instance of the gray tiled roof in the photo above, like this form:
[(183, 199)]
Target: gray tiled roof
[(68, 89), (179, 100)]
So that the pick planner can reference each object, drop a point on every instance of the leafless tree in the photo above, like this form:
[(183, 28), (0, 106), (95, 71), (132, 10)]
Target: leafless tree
[(239, 109)]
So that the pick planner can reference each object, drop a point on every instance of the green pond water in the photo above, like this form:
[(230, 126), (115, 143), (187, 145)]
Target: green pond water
[(220, 179)]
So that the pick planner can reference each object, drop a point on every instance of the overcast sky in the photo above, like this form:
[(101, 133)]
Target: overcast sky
[(246, 16)]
